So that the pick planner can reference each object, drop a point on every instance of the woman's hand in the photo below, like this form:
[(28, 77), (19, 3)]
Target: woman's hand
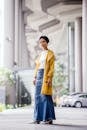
[(49, 81), (34, 81)]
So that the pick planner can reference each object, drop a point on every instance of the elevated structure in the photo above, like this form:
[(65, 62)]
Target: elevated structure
[(23, 21)]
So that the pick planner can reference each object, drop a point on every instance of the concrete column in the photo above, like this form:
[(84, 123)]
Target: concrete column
[(25, 58), (16, 30), (7, 41), (1, 31), (7, 31), (84, 44), (71, 59), (23, 51), (78, 55), (20, 35)]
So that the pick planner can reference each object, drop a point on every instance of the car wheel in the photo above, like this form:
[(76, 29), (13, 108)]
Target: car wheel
[(78, 104)]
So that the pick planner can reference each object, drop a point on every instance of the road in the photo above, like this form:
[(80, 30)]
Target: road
[(66, 119)]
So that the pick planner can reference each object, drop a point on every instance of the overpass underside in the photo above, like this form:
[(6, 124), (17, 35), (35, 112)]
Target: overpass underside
[(63, 21)]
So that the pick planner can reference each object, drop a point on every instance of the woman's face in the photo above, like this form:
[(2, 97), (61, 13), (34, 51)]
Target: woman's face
[(43, 44)]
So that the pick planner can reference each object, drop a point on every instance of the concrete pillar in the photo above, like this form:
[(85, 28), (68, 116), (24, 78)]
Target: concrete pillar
[(78, 55), (23, 51), (16, 30), (20, 34), (7, 34), (84, 44), (25, 58), (71, 58), (1, 31)]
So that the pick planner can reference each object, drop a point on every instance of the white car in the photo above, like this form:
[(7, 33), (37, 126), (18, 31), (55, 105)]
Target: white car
[(76, 100)]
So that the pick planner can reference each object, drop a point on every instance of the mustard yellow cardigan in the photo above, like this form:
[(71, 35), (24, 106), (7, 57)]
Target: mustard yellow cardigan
[(48, 72)]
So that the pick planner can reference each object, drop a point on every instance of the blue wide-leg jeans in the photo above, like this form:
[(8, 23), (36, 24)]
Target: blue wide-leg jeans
[(44, 108)]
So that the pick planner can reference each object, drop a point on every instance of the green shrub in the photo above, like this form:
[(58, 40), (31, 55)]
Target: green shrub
[(6, 78)]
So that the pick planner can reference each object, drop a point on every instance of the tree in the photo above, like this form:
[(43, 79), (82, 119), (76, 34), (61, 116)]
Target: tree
[(59, 75), (59, 79)]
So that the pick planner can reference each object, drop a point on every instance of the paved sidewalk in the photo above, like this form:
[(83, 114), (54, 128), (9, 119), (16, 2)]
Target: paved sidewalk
[(64, 116), (71, 116)]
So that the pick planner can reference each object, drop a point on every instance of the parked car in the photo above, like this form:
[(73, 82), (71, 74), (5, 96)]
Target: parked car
[(63, 98), (76, 100)]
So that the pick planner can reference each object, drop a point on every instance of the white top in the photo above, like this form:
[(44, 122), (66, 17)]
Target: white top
[(42, 59)]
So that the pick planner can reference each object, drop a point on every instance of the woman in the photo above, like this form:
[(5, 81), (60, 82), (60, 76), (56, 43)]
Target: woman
[(44, 108)]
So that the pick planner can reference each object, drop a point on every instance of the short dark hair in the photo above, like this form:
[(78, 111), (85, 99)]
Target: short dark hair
[(45, 38)]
